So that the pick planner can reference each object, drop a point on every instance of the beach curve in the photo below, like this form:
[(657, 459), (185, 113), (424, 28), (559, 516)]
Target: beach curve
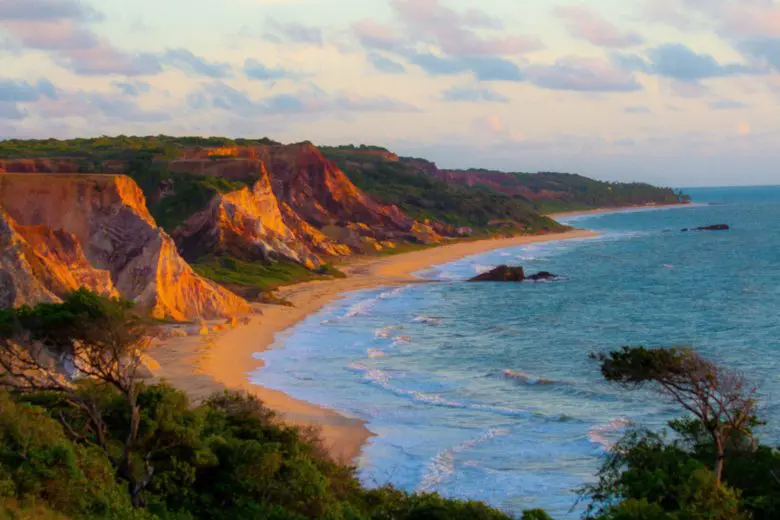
[(202, 366)]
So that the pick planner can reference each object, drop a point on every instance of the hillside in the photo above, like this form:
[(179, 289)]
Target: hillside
[(253, 214), (497, 195)]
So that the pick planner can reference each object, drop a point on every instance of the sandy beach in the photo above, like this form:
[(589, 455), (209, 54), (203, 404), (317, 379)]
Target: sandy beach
[(203, 365), (623, 209)]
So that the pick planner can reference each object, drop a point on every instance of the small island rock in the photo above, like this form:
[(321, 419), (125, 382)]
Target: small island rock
[(542, 276), (502, 273), (714, 227)]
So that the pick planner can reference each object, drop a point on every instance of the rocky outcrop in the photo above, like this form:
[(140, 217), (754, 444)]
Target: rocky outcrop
[(502, 273), (40, 265), (322, 212), (246, 224), (23, 278), (322, 195), (106, 216), (543, 276), (714, 227)]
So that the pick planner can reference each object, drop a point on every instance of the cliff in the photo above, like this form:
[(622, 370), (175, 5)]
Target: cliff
[(561, 191), (246, 224), (321, 194), (56, 165), (105, 216), (298, 206)]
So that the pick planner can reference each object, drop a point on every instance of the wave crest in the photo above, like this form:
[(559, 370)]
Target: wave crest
[(529, 379), (443, 464), (600, 434)]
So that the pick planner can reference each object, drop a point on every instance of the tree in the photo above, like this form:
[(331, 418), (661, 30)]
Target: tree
[(721, 400), (50, 346)]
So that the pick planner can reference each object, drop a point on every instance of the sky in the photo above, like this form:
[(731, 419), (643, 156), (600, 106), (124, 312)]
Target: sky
[(674, 92)]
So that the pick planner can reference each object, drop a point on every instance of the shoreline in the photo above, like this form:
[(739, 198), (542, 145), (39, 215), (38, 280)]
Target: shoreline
[(204, 365), (622, 209)]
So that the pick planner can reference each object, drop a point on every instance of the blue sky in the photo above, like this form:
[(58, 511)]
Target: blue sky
[(678, 92)]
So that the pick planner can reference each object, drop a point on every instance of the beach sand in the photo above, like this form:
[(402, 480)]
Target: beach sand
[(622, 209), (204, 365)]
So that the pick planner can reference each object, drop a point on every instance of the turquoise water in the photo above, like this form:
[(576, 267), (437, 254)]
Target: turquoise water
[(485, 391)]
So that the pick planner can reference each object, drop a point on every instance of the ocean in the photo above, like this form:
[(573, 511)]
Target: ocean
[(486, 391)]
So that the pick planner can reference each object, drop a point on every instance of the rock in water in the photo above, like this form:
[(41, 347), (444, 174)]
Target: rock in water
[(503, 273), (714, 227), (541, 276)]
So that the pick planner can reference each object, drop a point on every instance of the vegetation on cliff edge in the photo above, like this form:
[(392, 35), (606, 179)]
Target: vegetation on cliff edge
[(425, 197)]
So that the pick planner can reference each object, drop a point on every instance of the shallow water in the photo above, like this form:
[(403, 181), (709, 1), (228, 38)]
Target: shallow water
[(485, 391)]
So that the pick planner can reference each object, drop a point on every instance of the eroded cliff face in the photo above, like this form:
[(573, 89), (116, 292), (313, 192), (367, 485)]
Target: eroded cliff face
[(301, 208), (22, 275), (106, 216), (246, 224), (322, 195)]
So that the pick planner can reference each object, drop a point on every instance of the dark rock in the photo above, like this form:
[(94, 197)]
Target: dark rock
[(502, 273), (714, 227), (544, 275)]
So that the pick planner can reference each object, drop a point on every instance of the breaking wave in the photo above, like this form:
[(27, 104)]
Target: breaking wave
[(601, 434), (443, 464), (529, 379)]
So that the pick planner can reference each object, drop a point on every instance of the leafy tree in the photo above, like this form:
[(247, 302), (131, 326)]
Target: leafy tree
[(720, 399), (89, 336), (42, 471)]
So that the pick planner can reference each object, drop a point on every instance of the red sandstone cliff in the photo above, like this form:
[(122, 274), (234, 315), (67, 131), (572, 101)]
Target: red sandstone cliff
[(39, 265), (323, 214), (321, 194), (246, 224), (106, 216)]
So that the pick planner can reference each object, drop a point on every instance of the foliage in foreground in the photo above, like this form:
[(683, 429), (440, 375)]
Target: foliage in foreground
[(112, 447), (709, 466)]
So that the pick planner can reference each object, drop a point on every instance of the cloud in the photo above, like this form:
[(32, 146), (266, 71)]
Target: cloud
[(132, 88), (386, 65), (15, 91), (689, 89), (584, 23), (62, 30), (473, 93), (11, 111), (493, 125), (677, 61), (46, 10), (374, 35), (453, 31), (193, 65), (637, 110), (293, 32), (443, 41), (727, 104), (483, 68), (253, 69), (751, 18), (764, 49), (44, 100), (583, 75), (730, 18), (306, 101)]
